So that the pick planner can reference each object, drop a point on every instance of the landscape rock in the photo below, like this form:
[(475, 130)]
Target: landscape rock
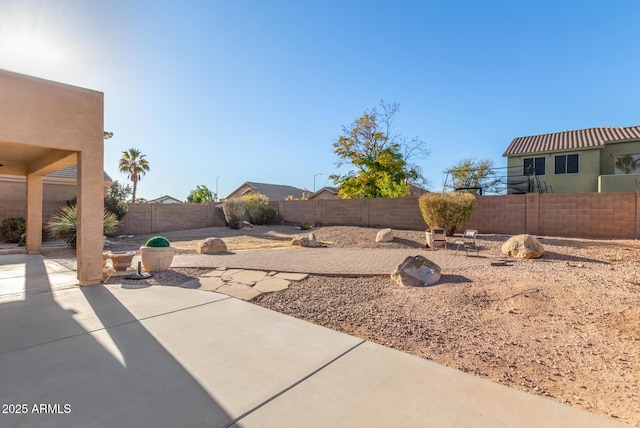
[(242, 225), (211, 246), (416, 271), (523, 247), (309, 242), (384, 235)]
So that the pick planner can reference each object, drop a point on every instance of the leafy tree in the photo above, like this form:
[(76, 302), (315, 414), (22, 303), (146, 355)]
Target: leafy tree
[(381, 156), (119, 192), (134, 164), (200, 195), (474, 173)]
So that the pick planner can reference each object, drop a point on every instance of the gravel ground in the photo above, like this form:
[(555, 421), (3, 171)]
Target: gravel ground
[(566, 326)]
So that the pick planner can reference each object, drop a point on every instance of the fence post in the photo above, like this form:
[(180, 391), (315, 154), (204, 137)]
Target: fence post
[(318, 212), (532, 214)]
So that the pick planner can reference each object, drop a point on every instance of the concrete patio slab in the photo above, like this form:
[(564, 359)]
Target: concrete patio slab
[(376, 386), (249, 354), (68, 312)]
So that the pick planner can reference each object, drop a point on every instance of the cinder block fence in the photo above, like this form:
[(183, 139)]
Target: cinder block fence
[(589, 215)]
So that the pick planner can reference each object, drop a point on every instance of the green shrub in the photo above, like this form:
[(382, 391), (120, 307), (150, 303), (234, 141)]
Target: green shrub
[(117, 207), (446, 210), (12, 229), (63, 224), (259, 210), (157, 241)]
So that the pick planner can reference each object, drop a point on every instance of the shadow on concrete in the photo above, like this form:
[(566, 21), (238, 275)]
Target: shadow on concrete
[(95, 365)]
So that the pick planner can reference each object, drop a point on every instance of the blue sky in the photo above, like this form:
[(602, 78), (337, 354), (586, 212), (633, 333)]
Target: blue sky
[(259, 90)]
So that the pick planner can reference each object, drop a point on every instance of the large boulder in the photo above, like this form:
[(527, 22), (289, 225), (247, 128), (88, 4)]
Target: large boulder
[(384, 235), (211, 246), (416, 271), (523, 247)]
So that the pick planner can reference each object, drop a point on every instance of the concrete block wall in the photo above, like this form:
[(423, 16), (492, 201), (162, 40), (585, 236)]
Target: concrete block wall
[(590, 215), (499, 214), (155, 218)]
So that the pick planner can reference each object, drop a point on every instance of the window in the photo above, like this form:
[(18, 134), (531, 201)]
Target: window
[(534, 165), (566, 164), (627, 164)]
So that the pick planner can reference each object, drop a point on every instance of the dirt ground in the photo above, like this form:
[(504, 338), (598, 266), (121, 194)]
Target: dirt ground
[(566, 326)]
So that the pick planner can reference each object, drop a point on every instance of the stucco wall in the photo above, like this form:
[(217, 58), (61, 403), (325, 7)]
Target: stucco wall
[(585, 181), (607, 157)]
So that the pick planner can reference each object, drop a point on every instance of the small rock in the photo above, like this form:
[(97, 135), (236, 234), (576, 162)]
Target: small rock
[(211, 246), (385, 235), (242, 225)]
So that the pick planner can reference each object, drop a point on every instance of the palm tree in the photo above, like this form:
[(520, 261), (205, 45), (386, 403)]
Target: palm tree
[(135, 164)]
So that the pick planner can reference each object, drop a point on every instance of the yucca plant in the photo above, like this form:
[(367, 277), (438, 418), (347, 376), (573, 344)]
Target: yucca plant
[(63, 224)]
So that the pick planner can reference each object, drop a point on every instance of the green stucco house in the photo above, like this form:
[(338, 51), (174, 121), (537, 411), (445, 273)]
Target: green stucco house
[(605, 159)]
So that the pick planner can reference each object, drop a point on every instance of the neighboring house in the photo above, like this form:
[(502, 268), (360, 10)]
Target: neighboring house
[(57, 188), (275, 192), (325, 193), (166, 199), (416, 191), (605, 159)]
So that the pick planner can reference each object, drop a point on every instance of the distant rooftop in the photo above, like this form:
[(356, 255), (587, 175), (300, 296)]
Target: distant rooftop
[(72, 172), (572, 140)]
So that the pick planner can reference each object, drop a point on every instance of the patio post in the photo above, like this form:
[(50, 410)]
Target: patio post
[(90, 214), (34, 214)]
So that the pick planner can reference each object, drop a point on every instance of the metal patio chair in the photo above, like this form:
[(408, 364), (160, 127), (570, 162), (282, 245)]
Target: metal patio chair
[(468, 242)]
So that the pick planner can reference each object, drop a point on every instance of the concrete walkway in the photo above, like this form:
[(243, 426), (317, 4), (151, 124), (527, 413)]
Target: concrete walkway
[(114, 356), (328, 261)]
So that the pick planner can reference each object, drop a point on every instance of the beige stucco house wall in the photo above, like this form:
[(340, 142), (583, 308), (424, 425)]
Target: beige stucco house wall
[(47, 126)]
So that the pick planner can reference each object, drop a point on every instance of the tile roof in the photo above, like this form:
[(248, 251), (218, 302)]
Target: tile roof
[(274, 192), (572, 140), (72, 172)]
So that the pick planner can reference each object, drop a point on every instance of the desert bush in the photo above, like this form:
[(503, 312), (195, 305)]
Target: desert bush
[(63, 224), (12, 229), (253, 208), (446, 210), (235, 210)]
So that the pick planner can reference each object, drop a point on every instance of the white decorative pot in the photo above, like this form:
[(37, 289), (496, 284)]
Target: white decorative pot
[(157, 259)]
